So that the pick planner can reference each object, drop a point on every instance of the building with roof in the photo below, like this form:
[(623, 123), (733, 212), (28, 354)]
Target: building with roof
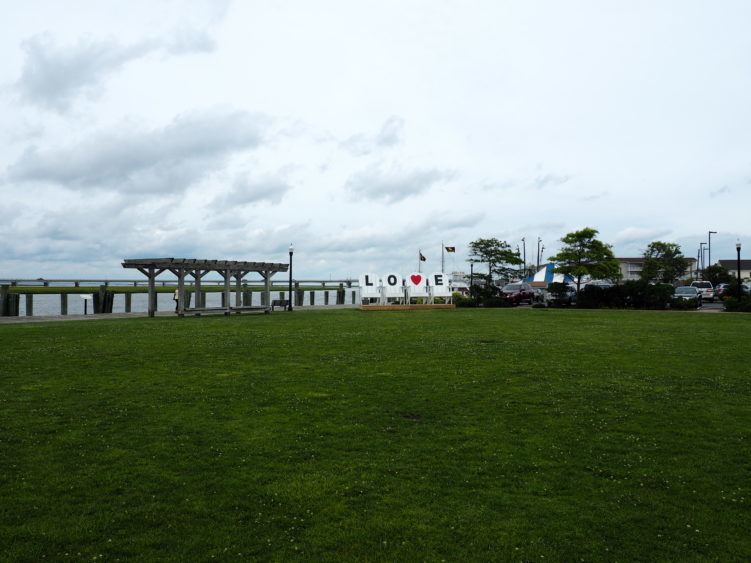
[(631, 268), (732, 267)]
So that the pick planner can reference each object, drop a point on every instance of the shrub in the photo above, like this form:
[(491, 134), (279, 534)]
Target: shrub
[(734, 305), (496, 302), (630, 295), (462, 301), (682, 304), (558, 290), (595, 297)]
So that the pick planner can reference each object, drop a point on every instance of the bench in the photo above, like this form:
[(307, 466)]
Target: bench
[(280, 303), (236, 310)]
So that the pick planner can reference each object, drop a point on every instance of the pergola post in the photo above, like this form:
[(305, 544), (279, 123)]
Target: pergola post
[(267, 288), (197, 285), (181, 292), (238, 288), (197, 277), (152, 291), (227, 274)]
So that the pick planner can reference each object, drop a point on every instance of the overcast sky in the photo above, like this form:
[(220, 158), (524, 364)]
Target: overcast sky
[(362, 131)]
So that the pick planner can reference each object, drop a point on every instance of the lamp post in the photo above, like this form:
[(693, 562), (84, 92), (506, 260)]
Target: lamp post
[(471, 278), (738, 266), (291, 251), (701, 253), (539, 240), (524, 250), (709, 247)]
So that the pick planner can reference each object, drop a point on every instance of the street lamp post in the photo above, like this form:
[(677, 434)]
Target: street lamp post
[(709, 247), (738, 267), (539, 240), (291, 251), (701, 253), (471, 278)]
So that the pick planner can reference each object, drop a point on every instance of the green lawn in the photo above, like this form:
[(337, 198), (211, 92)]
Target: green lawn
[(457, 435)]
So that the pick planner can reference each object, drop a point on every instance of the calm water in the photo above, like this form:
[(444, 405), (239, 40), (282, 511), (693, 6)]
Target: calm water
[(50, 304)]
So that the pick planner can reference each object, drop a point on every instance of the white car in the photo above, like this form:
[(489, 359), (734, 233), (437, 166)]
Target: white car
[(706, 288)]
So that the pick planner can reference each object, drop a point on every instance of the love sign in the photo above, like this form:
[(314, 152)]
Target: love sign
[(395, 286)]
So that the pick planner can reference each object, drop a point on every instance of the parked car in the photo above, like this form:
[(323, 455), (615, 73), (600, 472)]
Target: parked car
[(706, 288), (730, 290), (689, 293), (518, 292), (566, 296), (721, 288), (600, 283)]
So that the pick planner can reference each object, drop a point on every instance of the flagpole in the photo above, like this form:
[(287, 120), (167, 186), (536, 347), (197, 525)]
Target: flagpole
[(419, 261), (443, 264)]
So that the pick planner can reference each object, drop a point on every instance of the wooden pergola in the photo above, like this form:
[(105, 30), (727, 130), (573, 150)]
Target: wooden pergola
[(197, 269)]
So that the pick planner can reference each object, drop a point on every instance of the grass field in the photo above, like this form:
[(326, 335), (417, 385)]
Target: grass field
[(438, 435)]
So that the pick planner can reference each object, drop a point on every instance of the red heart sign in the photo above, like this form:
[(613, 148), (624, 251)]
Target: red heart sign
[(415, 279)]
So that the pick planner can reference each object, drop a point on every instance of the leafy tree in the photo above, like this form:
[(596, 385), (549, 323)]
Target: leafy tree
[(663, 262), (497, 254), (583, 255), (717, 274)]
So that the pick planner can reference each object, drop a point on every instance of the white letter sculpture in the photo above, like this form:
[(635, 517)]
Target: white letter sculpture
[(439, 286), (417, 286), (392, 287), (370, 287)]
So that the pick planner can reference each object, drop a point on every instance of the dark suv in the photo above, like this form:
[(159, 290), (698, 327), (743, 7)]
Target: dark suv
[(518, 292)]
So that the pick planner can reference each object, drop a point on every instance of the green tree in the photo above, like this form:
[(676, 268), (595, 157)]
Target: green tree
[(583, 255), (717, 274), (497, 254), (663, 262)]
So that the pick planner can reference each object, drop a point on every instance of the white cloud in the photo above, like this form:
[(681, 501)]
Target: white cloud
[(644, 235), (248, 189), (163, 160), (522, 122), (724, 190), (392, 184), (390, 135), (54, 75)]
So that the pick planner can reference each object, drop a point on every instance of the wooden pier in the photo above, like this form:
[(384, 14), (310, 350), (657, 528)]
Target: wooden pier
[(18, 296)]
